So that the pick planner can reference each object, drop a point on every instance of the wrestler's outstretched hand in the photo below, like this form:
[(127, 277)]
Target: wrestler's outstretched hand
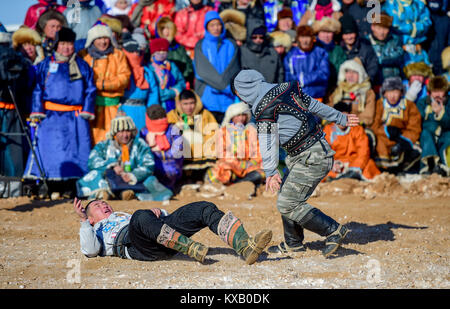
[(273, 183), (79, 209), (352, 120)]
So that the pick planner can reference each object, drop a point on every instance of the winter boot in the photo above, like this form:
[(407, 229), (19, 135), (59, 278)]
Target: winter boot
[(318, 222), (172, 239), (293, 239), (232, 232)]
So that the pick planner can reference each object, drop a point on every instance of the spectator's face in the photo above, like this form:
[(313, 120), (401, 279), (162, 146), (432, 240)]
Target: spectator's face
[(280, 49), (379, 32), (65, 49), (124, 137), (348, 2), (351, 76), (349, 38), (258, 39), (121, 4), (51, 28), (305, 43), (214, 27), (29, 50), (102, 43), (188, 106), (195, 2), (243, 3), (325, 36), (285, 24), (98, 210), (438, 96), (240, 119), (393, 96), (165, 32), (419, 78), (160, 56)]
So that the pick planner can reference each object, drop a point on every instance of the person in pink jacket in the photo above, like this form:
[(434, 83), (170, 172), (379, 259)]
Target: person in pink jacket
[(36, 10), (189, 22)]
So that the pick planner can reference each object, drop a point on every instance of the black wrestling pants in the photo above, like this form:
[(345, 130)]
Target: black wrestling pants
[(145, 227)]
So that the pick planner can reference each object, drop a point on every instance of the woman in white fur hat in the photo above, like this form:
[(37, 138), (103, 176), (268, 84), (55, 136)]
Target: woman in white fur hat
[(354, 88), (237, 149)]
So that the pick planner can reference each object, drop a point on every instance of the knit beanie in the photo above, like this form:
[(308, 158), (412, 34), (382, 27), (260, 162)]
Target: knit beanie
[(121, 123), (348, 24), (158, 44), (99, 30)]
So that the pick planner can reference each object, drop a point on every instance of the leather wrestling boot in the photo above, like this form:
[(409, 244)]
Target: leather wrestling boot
[(172, 239), (318, 222), (232, 232), (293, 239)]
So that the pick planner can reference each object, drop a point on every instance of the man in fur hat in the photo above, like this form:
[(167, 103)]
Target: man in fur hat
[(308, 64), (281, 42), (154, 234), (28, 42), (122, 166), (417, 75), (397, 126), (435, 136), (326, 30), (63, 102), (387, 46)]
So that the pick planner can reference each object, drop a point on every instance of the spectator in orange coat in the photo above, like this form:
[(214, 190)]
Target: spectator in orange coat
[(351, 144), (397, 127), (111, 76)]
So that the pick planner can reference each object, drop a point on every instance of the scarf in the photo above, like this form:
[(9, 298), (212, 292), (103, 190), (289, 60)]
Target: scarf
[(359, 92), (322, 11), (74, 70), (162, 71), (157, 128), (96, 54), (135, 61)]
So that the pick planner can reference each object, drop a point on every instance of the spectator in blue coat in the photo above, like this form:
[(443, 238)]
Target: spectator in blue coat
[(411, 22), (308, 64), (216, 61), (63, 101)]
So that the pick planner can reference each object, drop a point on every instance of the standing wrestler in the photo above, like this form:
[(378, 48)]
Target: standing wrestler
[(154, 234), (284, 112)]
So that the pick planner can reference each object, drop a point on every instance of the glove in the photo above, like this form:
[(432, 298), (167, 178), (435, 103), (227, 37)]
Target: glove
[(394, 133), (36, 117), (399, 148), (410, 48), (413, 91)]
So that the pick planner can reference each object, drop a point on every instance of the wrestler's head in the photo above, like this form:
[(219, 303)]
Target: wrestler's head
[(97, 210)]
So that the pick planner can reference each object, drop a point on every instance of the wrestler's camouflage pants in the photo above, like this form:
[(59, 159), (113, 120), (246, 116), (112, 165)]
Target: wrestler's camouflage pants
[(305, 171)]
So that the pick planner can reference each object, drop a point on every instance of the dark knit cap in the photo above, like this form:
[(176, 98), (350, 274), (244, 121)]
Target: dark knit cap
[(65, 35), (348, 24)]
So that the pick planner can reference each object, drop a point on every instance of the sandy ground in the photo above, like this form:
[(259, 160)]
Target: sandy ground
[(399, 239)]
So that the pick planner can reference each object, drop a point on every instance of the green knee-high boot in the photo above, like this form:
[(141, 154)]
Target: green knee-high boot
[(170, 238), (232, 232)]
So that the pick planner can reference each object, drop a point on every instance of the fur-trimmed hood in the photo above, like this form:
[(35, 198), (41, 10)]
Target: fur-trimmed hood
[(445, 56), (280, 38), (354, 65), (438, 83), (234, 110)]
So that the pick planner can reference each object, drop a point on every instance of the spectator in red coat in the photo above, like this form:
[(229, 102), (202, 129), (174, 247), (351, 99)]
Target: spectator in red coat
[(36, 10)]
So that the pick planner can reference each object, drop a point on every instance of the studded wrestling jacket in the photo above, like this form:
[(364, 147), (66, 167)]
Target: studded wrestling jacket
[(287, 113)]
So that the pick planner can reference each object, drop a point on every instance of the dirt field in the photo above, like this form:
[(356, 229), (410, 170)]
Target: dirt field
[(399, 239)]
